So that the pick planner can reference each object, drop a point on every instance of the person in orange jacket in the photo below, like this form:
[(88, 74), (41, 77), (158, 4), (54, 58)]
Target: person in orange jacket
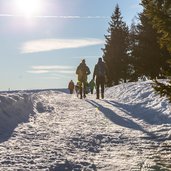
[(71, 87)]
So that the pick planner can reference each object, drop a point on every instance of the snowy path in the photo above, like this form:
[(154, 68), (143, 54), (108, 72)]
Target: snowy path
[(67, 133)]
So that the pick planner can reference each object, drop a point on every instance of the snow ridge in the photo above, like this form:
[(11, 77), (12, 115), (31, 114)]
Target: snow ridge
[(14, 109), (139, 94)]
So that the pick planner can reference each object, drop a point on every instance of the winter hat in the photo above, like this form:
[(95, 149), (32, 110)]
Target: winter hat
[(100, 59)]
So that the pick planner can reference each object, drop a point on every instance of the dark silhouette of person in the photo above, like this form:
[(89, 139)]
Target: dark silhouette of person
[(82, 71), (71, 87), (77, 88), (100, 74), (92, 86)]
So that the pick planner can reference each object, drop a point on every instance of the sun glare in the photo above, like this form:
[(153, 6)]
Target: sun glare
[(28, 7)]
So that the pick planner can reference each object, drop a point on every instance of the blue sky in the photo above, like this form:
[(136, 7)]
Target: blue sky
[(42, 46)]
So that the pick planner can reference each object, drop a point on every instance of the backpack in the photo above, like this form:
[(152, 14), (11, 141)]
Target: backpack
[(100, 72), (71, 85), (82, 72)]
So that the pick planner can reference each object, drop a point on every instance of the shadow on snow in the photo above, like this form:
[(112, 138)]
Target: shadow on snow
[(119, 120), (148, 115)]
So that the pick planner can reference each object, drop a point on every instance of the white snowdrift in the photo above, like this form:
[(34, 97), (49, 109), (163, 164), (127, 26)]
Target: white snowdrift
[(17, 106), (14, 108), (140, 98)]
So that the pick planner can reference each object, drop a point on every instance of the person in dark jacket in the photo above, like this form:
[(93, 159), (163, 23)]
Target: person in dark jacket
[(92, 86), (82, 71), (77, 88), (71, 87), (100, 74)]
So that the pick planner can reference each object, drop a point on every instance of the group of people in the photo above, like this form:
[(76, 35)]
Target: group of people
[(97, 81)]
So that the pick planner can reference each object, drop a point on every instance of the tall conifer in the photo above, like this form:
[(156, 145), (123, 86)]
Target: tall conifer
[(149, 57), (115, 52), (159, 13)]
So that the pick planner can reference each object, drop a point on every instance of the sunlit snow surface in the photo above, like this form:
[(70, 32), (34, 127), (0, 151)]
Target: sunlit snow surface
[(130, 130)]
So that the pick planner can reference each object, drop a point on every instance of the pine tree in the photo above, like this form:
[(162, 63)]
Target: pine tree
[(159, 13), (133, 42), (116, 47), (149, 58)]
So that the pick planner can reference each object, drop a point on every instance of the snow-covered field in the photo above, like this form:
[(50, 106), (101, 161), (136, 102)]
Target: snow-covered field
[(130, 130)]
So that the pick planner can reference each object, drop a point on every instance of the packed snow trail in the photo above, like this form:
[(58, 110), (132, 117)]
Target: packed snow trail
[(67, 133)]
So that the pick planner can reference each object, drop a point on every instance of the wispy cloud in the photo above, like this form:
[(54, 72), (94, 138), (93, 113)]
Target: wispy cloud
[(56, 44), (38, 71), (58, 16), (87, 57), (52, 69), (8, 15), (50, 78), (66, 72), (73, 17)]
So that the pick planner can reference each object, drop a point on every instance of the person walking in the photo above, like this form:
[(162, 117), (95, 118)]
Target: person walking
[(100, 74), (77, 89), (92, 85), (71, 87), (82, 71)]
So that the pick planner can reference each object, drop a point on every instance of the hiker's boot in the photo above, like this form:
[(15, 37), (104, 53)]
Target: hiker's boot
[(102, 96)]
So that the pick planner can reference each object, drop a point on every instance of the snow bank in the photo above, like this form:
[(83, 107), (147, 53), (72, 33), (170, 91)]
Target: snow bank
[(140, 98), (14, 108)]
